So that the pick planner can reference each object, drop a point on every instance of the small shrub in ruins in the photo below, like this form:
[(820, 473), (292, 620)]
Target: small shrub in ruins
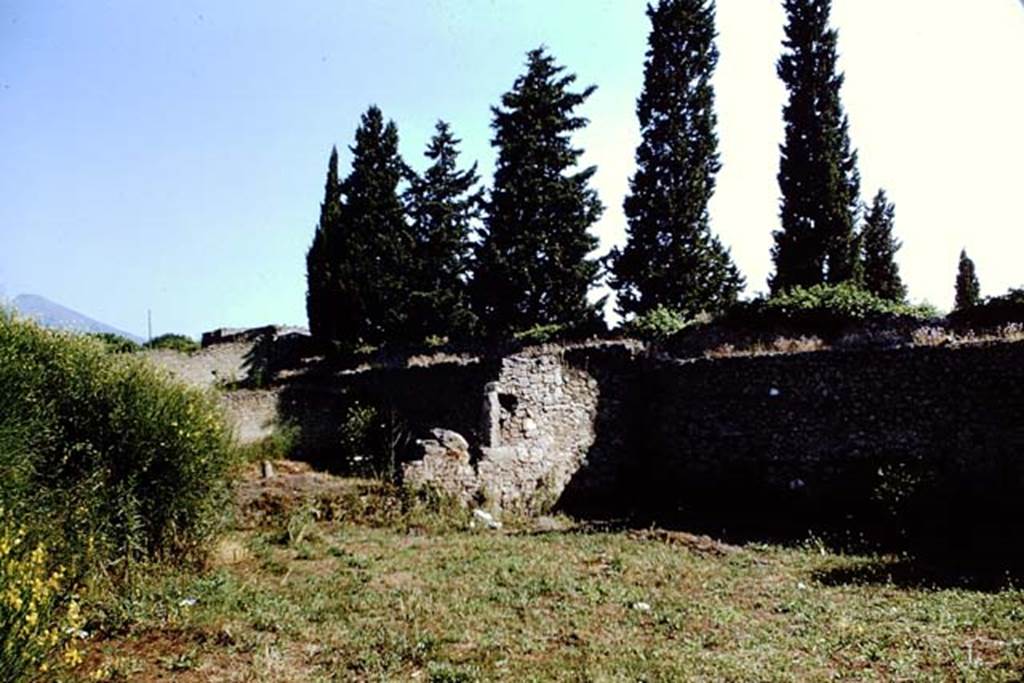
[(822, 308), (657, 324)]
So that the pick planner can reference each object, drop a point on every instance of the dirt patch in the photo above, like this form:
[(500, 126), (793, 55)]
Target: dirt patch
[(228, 552), (396, 581), (291, 486), (704, 545)]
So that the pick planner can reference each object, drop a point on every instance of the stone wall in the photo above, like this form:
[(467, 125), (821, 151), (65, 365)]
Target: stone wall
[(749, 444), (776, 445), (537, 426), (840, 440)]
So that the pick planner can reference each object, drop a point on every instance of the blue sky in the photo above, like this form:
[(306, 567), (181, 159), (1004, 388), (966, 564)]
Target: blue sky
[(170, 156)]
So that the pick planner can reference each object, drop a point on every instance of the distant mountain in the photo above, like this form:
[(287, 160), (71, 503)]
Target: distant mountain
[(53, 315)]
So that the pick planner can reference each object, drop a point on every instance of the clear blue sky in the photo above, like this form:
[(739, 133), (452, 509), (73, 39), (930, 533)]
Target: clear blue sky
[(171, 155)]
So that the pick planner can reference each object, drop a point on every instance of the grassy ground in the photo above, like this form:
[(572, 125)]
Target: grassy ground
[(427, 598)]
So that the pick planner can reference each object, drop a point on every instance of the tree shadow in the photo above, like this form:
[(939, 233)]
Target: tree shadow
[(951, 504), (363, 421), (920, 574)]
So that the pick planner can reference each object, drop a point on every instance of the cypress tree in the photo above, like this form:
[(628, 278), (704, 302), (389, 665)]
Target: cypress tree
[(671, 258), (532, 266), (443, 207), (968, 290), (322, 324), (818, 175), (879, 273), (372, 249)]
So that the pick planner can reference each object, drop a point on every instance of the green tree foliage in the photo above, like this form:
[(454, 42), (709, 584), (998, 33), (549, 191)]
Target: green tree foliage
[(671, 259), (362, 250), (818, 175), (173, 342), (443, 207), (968, 289), (879, 273), (532, 263), (115, 343), (319, 281)]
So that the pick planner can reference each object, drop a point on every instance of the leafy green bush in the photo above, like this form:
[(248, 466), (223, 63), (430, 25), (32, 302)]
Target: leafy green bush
[(372, 436), (823, 307), (173, 342), (845, 301), (105, 454), (540, 334), (659, 323), (115, 343), (279, 444)]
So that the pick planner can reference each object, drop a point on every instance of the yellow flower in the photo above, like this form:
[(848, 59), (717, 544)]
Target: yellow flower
[(73, 656)]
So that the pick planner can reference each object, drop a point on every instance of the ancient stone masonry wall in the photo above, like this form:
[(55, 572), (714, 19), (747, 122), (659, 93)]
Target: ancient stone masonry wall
[(538, 424), (539, 419), (840, 436), (728, 443)]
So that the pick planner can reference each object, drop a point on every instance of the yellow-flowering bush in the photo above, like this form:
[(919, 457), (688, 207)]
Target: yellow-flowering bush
[(39, 621), (115, 459)]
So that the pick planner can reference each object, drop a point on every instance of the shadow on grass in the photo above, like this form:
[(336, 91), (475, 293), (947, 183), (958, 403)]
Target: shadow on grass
[(912, 573)]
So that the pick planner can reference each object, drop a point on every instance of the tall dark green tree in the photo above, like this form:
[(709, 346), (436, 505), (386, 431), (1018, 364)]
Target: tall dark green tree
[(374, 266), (443, 206), (968, 289), (671, 258), (818, 175), (363, 247), (532, 265), (879, 272), (319, 282)]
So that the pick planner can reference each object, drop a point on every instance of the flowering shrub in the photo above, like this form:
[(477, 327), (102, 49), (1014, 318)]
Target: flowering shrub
[(39, 622), (106, 447)]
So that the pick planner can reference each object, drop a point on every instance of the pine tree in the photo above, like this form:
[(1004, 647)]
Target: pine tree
[(532, 264), (443, 207), (671, 259), (879, 273), (968, 290), (322, 323), (818, 175)]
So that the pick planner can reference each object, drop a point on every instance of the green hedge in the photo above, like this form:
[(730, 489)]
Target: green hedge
[(104, 453), (823, 307)]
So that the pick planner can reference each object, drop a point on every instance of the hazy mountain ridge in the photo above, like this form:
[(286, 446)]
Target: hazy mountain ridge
[(53, 315)]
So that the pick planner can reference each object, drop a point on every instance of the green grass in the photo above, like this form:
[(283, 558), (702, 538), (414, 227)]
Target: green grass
[(407, 600)]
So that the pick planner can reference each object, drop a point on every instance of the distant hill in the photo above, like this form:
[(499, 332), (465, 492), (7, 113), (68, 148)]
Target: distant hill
[(53, 315)]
